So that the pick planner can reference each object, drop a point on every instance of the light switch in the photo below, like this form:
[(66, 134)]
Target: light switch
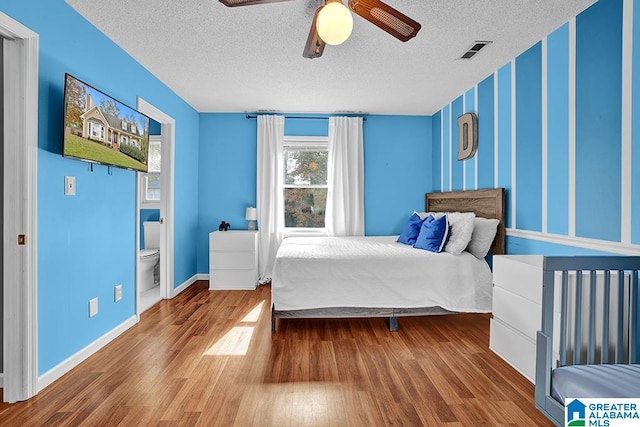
[(70, 185)]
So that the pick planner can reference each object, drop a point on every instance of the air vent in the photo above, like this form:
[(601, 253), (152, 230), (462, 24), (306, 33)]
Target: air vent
[(477, 46)]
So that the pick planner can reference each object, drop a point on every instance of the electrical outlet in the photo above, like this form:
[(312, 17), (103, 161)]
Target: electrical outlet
[(93, 307), (117, 293)]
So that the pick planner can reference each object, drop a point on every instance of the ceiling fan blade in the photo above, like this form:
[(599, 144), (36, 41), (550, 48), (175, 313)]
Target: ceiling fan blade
[(315, 45), (387, 18), (234, 3)]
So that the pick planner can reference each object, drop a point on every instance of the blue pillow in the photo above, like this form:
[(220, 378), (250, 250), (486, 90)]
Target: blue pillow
[(411, 230), (434, 234)]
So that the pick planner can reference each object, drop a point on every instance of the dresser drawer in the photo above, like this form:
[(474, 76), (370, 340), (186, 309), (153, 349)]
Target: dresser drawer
[(233, 240), (516, 311), (519, 274), (232, 260), (233, 279), (518, 350)]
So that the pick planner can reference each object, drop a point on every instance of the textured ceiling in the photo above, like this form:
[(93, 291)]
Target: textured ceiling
[(222, 59)]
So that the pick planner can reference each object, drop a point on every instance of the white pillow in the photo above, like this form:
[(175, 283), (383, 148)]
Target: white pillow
[(461, 229), (484, 231)]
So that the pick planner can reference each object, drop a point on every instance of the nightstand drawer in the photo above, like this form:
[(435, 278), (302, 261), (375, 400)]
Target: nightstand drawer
[(233, 240), (233, 279), (518, 350), (520, 274), (232, 260), (521, 313)]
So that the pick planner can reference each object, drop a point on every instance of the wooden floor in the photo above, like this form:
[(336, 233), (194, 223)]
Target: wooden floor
[(207, 358)]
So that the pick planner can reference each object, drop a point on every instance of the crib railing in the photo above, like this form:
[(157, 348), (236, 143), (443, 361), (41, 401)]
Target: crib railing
[(589, 316), (594, 323)]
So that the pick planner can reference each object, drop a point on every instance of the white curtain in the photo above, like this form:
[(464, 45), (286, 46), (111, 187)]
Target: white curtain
[(269, 201), (345, 199)]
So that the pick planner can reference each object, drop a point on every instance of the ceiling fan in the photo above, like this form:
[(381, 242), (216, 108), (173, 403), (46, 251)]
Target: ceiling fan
[(336, 30)]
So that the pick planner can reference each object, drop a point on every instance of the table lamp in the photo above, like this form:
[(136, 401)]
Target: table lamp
[(251, 215)]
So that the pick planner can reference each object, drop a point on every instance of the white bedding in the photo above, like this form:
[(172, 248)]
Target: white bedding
[(376, 272)]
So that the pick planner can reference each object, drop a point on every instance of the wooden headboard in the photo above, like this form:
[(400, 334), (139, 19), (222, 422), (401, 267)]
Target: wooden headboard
[(487, 203)]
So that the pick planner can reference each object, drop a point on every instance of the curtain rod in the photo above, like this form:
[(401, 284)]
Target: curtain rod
[(303, 117)]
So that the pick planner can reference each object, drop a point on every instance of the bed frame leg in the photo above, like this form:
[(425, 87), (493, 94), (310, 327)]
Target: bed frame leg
[(273, 321), (393, 324)]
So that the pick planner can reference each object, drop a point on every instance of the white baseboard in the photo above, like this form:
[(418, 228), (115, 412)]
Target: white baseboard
[(203, 276), (190, 281), (65, 366)]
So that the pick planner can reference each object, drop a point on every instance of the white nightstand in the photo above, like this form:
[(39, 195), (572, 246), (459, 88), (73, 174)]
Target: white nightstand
[(233, 259), (517, 310)]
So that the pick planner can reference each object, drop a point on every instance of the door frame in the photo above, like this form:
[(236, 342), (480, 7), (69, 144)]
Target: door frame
[(20, 329), (167, 150)]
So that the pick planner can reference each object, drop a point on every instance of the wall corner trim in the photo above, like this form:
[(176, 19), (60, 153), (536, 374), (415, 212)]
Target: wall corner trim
[(190, 281)]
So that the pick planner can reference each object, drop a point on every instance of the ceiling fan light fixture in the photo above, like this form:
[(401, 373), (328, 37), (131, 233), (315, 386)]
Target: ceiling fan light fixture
[(334, 23)]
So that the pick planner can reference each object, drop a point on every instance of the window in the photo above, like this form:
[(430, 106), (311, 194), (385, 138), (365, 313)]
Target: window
[(305, 181), (96, 130), (150, 190), (152, 187)]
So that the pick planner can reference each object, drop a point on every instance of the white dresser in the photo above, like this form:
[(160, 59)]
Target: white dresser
[(233, 259), (517, 310)]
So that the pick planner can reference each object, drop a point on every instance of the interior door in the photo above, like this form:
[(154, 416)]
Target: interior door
[(2, 207)]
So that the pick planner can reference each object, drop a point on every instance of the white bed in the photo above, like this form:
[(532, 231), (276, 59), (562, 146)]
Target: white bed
[(374, 276), (376, 271)]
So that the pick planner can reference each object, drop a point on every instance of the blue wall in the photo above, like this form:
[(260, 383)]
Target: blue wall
[(397, 170), (512, 113), (227, 178), (397, 156), (528, 122), (86, 243), (598, 120)]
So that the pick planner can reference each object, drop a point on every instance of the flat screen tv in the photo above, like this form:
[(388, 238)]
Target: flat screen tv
[(101, 129)]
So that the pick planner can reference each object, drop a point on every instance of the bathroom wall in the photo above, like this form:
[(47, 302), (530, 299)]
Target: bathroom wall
[(147, 215), (154, 127)]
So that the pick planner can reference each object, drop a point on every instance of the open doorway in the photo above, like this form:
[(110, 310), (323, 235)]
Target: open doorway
[(150, 197), (167, 138)]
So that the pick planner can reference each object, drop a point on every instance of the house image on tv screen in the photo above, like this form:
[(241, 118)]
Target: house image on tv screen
[(107, 128)]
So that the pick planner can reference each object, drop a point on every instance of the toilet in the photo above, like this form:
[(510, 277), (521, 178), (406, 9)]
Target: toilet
[(150, 256)]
